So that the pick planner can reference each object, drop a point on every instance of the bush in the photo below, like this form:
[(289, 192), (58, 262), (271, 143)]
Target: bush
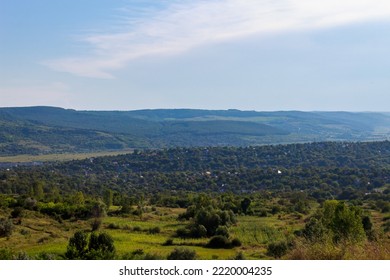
[(239, 256), (277, 249), (154, 230), (198, 231), (314, 230), (127, 227), (263, 213), (77, 246), (168, 242), (22, 256), (6, 227), (113, 226), (137, 228), (183, 232), (17, 212), (218, 241), (45, 256), (182, 254), (90, 247), (222, 230), (6, 254), (126, 209), (101, 247), (236, 242), (151, 256)]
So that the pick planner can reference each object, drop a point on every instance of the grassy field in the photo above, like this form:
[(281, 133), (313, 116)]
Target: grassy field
[(38, 234), (60, 157)]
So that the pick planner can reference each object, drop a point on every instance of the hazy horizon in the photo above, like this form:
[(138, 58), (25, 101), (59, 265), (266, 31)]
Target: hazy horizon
[(198, 109)]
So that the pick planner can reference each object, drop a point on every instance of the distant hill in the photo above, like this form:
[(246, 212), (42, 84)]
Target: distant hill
[(37, 130)]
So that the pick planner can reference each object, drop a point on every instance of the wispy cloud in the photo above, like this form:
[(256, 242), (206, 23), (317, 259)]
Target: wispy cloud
[(183, 24)]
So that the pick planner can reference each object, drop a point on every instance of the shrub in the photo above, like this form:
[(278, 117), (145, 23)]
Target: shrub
[(4, 203), (154, 230), (314, 230), (30, 203), (96, 246), (236, 242), (277, 249), (239, 256), (77, 246), (17, 212), (218, 241), (182, 232), (6, 227), (263, 213), (22, 256), (127, 227), (345, 222), (222, 230), (6, 254), (45, 256), (113, 226), (101, 247), (137, 228), (182, 254), (168, 242), (126, 209), (152, 256), (198, 231)]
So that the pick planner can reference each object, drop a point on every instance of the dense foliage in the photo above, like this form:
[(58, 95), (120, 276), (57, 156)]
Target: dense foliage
[(325, 200), (323, 170), (42, 130), (84, 246)]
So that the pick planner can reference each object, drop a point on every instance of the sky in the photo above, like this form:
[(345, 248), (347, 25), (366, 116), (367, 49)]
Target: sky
[(263, 55)]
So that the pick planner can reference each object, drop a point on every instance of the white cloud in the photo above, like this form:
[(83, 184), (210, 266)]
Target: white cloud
[(187, 24)]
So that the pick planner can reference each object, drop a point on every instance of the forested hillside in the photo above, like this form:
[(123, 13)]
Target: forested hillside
[(326, 169), (43, 130)]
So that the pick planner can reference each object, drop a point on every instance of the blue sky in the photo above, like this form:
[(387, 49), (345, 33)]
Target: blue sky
[(216, 54)]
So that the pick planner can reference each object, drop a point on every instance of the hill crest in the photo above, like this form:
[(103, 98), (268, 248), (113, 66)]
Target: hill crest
[(44, 129)]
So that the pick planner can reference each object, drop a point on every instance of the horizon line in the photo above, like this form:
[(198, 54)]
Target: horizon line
[(194, 109)]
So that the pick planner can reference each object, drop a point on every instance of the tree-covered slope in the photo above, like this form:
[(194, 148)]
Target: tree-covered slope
[(34, 130), (324, 169)]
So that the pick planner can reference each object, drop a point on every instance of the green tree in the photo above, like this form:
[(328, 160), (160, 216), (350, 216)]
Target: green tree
[(314, 230), (101, 247), (98, 209), (38, 190), (84, 246), (78, 198), (336, 221), (78, 246), (108, 197), (245, 203), (344, 221)]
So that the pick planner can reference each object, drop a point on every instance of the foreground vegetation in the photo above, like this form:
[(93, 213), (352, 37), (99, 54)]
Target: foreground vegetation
[(306, 201)]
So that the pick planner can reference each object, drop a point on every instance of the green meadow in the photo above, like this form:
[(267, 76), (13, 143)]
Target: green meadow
[(38, 234)]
